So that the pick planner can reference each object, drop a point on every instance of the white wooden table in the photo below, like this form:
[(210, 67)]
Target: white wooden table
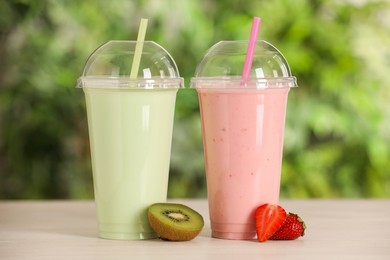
[(336, 229)]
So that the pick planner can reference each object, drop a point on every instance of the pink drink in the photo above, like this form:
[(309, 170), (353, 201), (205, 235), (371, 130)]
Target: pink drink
[(243, 144), (243, 124)]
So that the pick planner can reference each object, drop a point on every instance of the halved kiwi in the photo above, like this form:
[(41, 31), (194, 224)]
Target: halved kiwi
[(175, 222)]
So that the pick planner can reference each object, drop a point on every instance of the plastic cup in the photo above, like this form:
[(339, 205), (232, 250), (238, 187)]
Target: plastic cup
[(130, 125), (242, 126)]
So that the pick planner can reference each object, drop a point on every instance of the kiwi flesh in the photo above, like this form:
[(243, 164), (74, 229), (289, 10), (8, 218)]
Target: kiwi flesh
[(175, 222)]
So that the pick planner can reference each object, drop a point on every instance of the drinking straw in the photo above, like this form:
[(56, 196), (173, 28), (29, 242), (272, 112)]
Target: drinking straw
[(251, 48), (138, 48)]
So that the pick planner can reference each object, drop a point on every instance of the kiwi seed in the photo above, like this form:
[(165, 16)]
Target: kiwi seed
[(175, 222)]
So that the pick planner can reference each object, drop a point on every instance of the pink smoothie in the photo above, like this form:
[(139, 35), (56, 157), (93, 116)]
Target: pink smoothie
[(243, 142)]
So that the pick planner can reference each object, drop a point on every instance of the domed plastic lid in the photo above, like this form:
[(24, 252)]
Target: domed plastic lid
[(110, 65), (222, 65)]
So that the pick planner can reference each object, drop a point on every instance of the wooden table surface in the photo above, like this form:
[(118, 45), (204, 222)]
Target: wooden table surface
[(336, 229)]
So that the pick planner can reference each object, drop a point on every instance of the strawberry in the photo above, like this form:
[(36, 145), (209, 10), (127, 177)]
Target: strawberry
[(292, 228), (269, 218)]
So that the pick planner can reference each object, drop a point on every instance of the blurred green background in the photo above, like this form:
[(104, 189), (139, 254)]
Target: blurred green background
[(337, 138)]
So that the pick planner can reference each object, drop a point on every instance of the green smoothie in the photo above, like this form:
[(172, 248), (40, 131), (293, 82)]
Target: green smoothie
[(130, 133)]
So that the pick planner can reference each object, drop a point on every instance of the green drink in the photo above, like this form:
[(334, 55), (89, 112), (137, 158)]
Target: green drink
[(130, 135), (130, 129)]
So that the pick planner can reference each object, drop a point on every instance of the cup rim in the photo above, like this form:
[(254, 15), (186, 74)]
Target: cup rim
[(123, 82), (236, 82)]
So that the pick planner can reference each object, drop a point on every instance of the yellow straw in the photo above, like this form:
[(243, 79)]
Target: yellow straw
[(138, 48)]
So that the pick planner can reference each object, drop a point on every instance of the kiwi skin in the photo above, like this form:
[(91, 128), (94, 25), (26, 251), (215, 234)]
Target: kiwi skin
[(170, 230)]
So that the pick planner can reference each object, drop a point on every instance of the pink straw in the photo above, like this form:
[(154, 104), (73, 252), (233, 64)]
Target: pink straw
[(251, 47)]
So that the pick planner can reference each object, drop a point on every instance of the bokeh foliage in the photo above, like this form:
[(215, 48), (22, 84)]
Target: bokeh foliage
[(337, 137)]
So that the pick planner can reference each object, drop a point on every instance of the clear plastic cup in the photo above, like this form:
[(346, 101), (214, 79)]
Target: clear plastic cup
[(130, 125), (242, 126)]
